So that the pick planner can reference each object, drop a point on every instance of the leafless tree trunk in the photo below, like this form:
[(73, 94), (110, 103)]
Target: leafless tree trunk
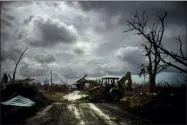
[(155, 51), (14, 74), (153, 38)]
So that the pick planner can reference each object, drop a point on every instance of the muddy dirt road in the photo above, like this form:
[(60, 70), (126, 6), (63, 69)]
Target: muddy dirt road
[(76, 112)]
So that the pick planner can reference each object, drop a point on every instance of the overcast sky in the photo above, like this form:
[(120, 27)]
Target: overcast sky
[(74, 38)]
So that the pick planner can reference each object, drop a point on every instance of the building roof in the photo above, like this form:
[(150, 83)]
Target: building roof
[(109, 77)]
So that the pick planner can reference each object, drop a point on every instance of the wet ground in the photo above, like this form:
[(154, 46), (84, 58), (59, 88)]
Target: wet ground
[(76, 112)]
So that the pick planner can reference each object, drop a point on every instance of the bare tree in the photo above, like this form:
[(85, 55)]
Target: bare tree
[(153, 36), (178, 56), (14, 74), (155, 51)]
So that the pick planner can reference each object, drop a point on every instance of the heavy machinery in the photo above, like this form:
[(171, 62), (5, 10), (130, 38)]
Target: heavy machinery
[(111, 89), (81, 83)]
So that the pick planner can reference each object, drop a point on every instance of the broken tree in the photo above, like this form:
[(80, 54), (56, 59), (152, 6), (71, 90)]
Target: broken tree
[(153, 36), (14, 74)]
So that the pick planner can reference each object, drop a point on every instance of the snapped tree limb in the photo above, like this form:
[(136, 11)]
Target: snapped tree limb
[(14, 74)]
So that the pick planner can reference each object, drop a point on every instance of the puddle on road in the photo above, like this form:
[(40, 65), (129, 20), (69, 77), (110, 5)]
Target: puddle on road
[(74, 96), (131, 118), (105, 117), (98, 116), (95, 112), (57, 113), (79, 113), (74, 109)]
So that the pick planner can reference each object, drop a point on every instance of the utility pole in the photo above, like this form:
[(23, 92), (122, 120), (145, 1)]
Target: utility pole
[(0, 56), (51, 78)]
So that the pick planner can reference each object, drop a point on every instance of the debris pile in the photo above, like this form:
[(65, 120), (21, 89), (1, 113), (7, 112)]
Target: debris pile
[(84, 84), (138, 100), (22, 88), (54, 88), (164, 106), (20, 100)]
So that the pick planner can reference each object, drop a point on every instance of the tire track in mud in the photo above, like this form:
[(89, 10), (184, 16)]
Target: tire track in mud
[(121, 116), (92, 114), (73, 108), (89, 116), (82, 114), (77, 112), (57, 113), (101, 114)]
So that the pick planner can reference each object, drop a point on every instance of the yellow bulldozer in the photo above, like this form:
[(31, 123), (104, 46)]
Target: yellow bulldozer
[(111, 88)]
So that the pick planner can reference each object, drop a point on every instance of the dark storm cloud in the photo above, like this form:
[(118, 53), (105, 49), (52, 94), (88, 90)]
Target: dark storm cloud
[(26, 21), (64, 57), (174, 44), (11, 53), (45, 58), (100, 69), (6, 15), (82, 39), (117, 72), (3, 56), (123, 12), (78, 51), (176, 13), (31, 71), (96, 72), (126, 9), (129, 6), (8, 25), (132, 55), (48, 32), (102, 66), (115, 42), (69, 72), (6, 22)]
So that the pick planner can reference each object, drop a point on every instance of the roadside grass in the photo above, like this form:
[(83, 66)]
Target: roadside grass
[(54, 96)]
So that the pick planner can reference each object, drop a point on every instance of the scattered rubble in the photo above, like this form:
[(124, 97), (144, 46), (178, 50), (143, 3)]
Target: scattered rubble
[(166, 106), (20, 100), (84, 84)]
